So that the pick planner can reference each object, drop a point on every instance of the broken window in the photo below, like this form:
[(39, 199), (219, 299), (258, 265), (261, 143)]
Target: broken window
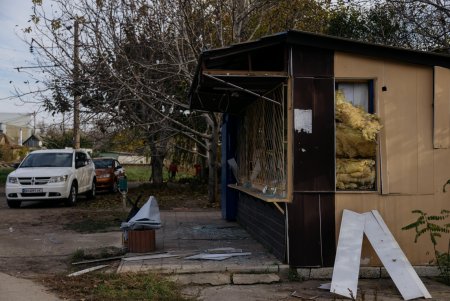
[(356, 136), (262, 146)]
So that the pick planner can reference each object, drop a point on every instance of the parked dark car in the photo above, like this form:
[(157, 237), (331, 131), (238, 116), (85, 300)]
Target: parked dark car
[(108, 171)]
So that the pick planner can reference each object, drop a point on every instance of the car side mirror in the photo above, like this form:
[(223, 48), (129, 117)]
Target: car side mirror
[(16, 165), (79, 164)]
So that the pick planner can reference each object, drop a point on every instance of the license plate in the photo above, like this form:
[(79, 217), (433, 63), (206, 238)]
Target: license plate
[(32, 190)]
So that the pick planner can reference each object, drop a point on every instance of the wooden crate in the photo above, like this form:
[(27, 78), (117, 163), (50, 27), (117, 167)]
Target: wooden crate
[(139, 241)]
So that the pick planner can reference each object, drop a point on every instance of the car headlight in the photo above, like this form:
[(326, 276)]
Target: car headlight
[(13, 180), (58, 179), (104, 176)]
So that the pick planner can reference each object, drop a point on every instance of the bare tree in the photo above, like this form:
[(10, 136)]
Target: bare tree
[(421, 24), (133, 60)]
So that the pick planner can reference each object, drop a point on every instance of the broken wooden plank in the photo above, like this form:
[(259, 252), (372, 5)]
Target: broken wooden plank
[(85, 271), (348, 255), (394, 260)]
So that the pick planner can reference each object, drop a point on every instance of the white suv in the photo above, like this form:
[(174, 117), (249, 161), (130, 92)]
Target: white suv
[(51, 174)]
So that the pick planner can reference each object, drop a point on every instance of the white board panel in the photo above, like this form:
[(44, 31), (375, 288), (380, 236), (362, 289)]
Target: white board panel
[(393, 258), (303, 121), (348, 255)]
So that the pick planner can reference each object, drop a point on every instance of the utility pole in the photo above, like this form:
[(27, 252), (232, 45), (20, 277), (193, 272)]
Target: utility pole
[(76, 93), (34, 123)]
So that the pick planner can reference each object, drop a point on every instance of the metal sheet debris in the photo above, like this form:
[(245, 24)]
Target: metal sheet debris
[(393, 258), (223, 256), (304, 295), (148, 257), (348, 254), (386, 247), (148, 217), (325, 286), (97, 260), (85, 271), (223, 250)]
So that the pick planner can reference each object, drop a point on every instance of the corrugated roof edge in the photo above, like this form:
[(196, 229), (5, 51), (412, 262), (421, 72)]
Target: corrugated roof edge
[(296, 37), (302, 38)]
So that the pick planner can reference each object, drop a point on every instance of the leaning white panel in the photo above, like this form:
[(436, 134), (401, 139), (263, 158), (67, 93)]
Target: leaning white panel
[(393, 258), (348, 255)]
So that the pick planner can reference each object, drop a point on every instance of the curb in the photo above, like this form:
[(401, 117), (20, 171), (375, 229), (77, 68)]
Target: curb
[(281, 269), (364, 272)]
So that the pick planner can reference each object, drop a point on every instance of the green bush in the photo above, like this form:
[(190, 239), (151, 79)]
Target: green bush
[(427, 224), (4, 173)]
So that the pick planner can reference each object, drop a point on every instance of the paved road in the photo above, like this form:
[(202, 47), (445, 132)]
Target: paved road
[(16, 289)]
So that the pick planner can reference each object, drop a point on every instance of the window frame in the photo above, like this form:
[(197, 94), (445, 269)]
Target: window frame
[(372, 109)]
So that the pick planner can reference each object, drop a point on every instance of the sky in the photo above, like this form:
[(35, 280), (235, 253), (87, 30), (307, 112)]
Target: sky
[(14, 16)]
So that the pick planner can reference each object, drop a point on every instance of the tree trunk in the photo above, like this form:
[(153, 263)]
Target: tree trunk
[(157, 170), (212, 161), (157, 159)]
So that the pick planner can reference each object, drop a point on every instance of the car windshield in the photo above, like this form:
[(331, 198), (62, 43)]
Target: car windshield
[(48, 160), (103, 163)]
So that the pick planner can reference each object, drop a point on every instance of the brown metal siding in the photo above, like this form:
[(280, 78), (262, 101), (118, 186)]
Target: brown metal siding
[(314, 153), (312, 62), (311, 230), (311, 215)]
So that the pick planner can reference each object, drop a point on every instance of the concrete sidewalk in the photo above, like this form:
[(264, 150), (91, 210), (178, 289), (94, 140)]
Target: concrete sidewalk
[(17, 289), (190, 232)]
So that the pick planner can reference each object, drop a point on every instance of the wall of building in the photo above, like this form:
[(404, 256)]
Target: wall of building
[(11, 123), (411, 173), (264, 222)]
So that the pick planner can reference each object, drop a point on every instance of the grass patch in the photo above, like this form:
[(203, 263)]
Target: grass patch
[(94, 222), (137, 173), (106, 252), (169, 196), (172, 195), (4, 173), (141, 173), (114, 287)]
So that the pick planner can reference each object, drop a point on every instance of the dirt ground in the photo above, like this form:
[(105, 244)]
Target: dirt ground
[(40, 238), (34, 240)]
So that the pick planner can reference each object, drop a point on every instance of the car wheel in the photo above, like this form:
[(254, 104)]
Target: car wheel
[(115, 187), (13, 203), (72, 198), (93, 192)]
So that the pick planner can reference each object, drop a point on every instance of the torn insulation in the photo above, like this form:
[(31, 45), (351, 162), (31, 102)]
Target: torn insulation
[(356, 144)]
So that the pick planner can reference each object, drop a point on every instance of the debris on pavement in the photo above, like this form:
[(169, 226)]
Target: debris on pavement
[(223, 250), (304, 296), (85, 271), (218, 256), (147, 257), (346, 267), (148, 217), (97, 260), (325, 286)]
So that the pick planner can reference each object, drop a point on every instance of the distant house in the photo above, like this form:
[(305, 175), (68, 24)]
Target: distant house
[(34, 141), (16, 125), (5, 140), (126, 158), (9, 150), (291, 163)]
